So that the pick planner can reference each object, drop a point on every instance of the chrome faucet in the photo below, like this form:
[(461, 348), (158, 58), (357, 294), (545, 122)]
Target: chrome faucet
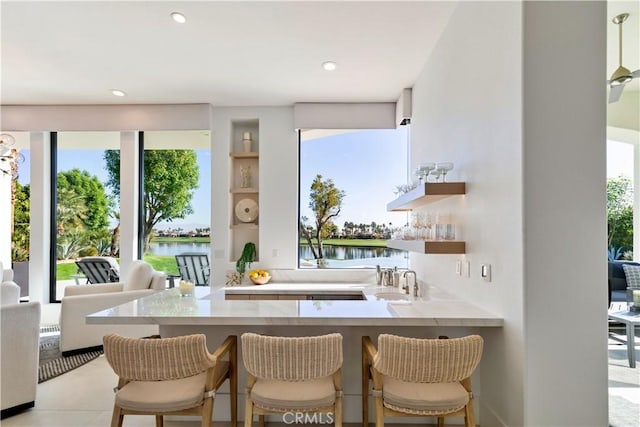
[(415, 282)]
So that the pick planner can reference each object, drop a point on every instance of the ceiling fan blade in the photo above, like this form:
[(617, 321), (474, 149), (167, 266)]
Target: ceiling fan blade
[(636, 74), (614, 94)]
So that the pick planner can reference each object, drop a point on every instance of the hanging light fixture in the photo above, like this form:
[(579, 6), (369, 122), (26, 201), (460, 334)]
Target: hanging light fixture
[(8, 153)]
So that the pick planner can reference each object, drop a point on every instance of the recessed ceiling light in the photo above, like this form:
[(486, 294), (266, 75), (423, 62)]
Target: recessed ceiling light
[(178, 17), (117, 92), (329, 65)]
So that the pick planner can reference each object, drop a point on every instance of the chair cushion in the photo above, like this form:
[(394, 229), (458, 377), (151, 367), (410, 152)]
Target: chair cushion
[(617, 276), (423, 397), (284, 395), (139, 277), (162, 396), (632, 273), (9, 293)]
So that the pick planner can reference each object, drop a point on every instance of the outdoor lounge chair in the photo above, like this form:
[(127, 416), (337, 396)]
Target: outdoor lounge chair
[(99, 269), (194, 267)]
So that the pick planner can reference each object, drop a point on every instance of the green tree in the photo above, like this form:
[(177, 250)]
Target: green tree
[(325, 200), (84, 193), (82, 211), (20, 233), (71, 211), (170, 177), (620, 213)]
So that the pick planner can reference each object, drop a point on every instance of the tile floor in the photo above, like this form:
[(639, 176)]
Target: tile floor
[(84, 396)]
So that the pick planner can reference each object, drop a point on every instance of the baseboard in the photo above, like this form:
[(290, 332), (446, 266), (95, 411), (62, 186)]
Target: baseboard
[(82, 350), (14, 410)]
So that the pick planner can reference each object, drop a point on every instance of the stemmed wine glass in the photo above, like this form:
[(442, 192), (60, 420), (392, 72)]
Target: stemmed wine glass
[(425, 169), (443, 168), (436, 173)]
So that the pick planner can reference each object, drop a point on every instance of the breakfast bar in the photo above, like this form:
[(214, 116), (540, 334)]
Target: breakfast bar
[(298, 309)]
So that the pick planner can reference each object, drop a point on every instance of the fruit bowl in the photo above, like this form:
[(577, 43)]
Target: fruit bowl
[(259, 277)]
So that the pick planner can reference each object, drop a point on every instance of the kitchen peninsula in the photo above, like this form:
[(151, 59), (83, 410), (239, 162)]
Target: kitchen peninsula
[(296, 309)]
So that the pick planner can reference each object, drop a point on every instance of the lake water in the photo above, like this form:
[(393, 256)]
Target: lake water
[(336, 256)]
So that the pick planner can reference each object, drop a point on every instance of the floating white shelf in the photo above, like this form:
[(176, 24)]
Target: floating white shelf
[(429, 246), (248, 226), (243, 190), (426, 193), (244, 155)]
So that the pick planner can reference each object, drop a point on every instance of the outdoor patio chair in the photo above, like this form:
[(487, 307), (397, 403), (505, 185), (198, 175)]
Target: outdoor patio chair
[(99, 269), (194, 267)]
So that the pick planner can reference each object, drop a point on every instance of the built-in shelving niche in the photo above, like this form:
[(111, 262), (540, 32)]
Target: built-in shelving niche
[(243, 232)]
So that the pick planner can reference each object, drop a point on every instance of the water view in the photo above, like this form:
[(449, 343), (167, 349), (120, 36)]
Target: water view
[(337, 256)]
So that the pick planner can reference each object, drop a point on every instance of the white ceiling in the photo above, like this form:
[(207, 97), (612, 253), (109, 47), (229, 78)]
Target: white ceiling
[(231, 53), (228, 53)]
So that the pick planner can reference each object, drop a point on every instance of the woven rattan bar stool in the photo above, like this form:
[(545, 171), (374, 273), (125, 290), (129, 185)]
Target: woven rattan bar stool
[(415, 377), (297, 377), (170, 376)]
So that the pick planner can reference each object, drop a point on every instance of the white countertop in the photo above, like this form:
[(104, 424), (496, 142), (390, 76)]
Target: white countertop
[(383, 306)]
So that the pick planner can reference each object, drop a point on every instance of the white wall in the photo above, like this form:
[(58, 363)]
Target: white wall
[(467, 109), (39, 216), (278, 186), (531, 147), (104, 117), (565, 214)]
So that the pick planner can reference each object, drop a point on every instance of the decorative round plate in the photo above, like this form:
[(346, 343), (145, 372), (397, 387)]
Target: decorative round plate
[(247, 210)]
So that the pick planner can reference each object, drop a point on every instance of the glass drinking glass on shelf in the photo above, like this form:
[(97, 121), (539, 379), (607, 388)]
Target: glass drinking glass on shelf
[(444, 167), (408, 233), (428, 223), (415, 223)]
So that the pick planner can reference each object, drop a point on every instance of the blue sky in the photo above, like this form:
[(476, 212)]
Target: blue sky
[(366, 165)]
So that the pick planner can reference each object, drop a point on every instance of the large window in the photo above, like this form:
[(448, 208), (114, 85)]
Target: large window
[(87, 210), (620, 200), (346, 180), (177, 196), (20, 170)]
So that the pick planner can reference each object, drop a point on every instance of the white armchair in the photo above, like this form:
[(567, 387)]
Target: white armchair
[(19, 341), (77, 336)]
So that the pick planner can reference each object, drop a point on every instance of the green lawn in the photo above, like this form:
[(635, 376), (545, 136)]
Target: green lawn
[(167, 264), (181, 240)]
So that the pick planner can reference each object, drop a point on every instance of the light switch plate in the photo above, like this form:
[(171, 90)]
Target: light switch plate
[(459, 267), (485, 272)]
